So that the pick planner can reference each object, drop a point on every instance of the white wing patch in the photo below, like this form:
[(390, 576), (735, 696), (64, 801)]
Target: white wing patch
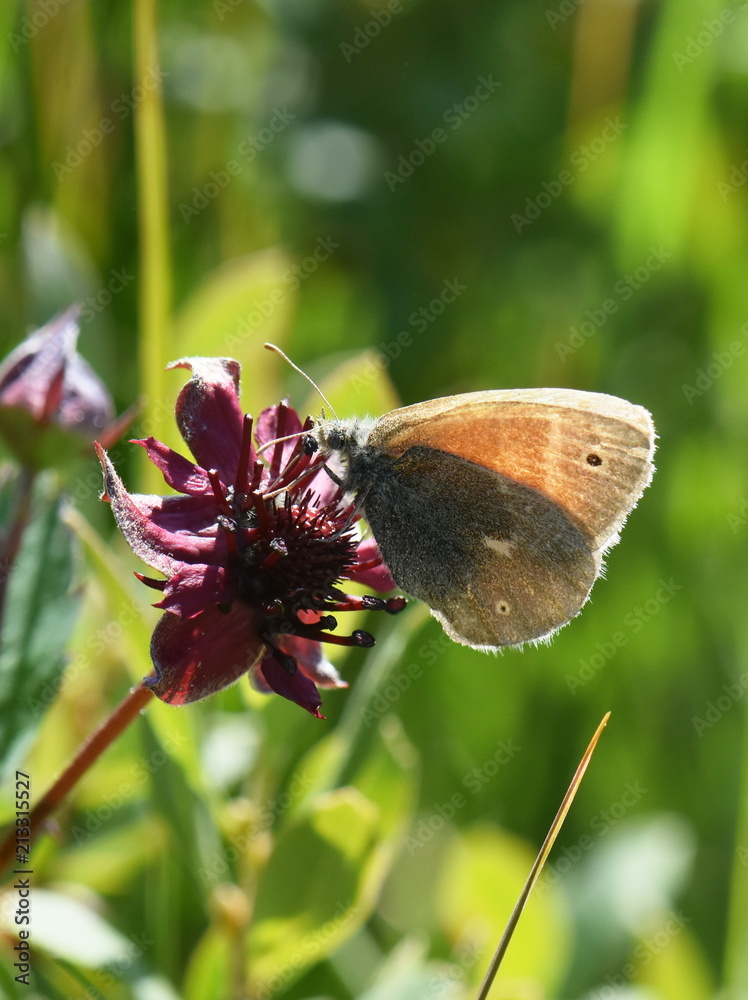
[(501, 546)]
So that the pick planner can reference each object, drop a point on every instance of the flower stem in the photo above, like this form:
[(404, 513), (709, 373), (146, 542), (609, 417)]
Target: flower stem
[(153, 218), (540, 860), (87, 755)]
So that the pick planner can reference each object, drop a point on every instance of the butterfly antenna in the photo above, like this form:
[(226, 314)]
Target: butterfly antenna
[(275, 441), (310, 380)]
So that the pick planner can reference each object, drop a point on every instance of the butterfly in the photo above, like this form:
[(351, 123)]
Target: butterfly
[(496, 508)]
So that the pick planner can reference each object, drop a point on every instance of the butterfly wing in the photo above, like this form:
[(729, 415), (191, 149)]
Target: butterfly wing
[(497, 562), (588, 452), (495, 508)]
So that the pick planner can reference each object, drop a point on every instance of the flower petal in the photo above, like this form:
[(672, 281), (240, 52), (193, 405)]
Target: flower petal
[(178, 471), (310, 658), (45, 376), (296, 686), (274, 422), (199, 656), (308, 654), (278, 421), (196, 588), (209, 415), (164, 532), (375, 575), (324, 489), (86, 406), (35, 368)]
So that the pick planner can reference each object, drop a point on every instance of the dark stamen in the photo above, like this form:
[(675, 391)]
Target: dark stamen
[(284, 659), (394, 605), (219, 493), (358, 638), (242, 470), (362, 638), (280, 430), (255, 482), (232, 546)]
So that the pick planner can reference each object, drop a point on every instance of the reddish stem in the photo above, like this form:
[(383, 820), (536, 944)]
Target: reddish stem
[(87, 755)]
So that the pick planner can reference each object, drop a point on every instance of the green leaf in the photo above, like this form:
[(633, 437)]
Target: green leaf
[(40, 610), (670, 963), (245, 302), (387, 776), (209, 968), (334, 760), (310, 895), (8, 985), (242, 297), (106, 860), (324, 875)]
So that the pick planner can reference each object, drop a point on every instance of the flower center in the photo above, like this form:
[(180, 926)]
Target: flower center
[(293, 556)]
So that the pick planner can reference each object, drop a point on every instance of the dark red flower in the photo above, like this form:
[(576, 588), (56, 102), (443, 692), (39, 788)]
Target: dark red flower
[(51, 401), (253, 547)]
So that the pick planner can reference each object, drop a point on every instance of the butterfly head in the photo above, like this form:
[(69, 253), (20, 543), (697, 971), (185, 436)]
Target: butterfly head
[(345, 438)]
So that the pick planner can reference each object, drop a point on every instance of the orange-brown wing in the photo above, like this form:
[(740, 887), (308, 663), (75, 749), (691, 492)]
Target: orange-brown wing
[(588, 452)]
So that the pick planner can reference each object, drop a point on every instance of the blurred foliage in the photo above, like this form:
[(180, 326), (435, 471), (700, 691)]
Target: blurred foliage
[(413, 198)]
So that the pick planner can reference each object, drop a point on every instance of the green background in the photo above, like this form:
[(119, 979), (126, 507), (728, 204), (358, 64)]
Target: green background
[(577, 171)]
